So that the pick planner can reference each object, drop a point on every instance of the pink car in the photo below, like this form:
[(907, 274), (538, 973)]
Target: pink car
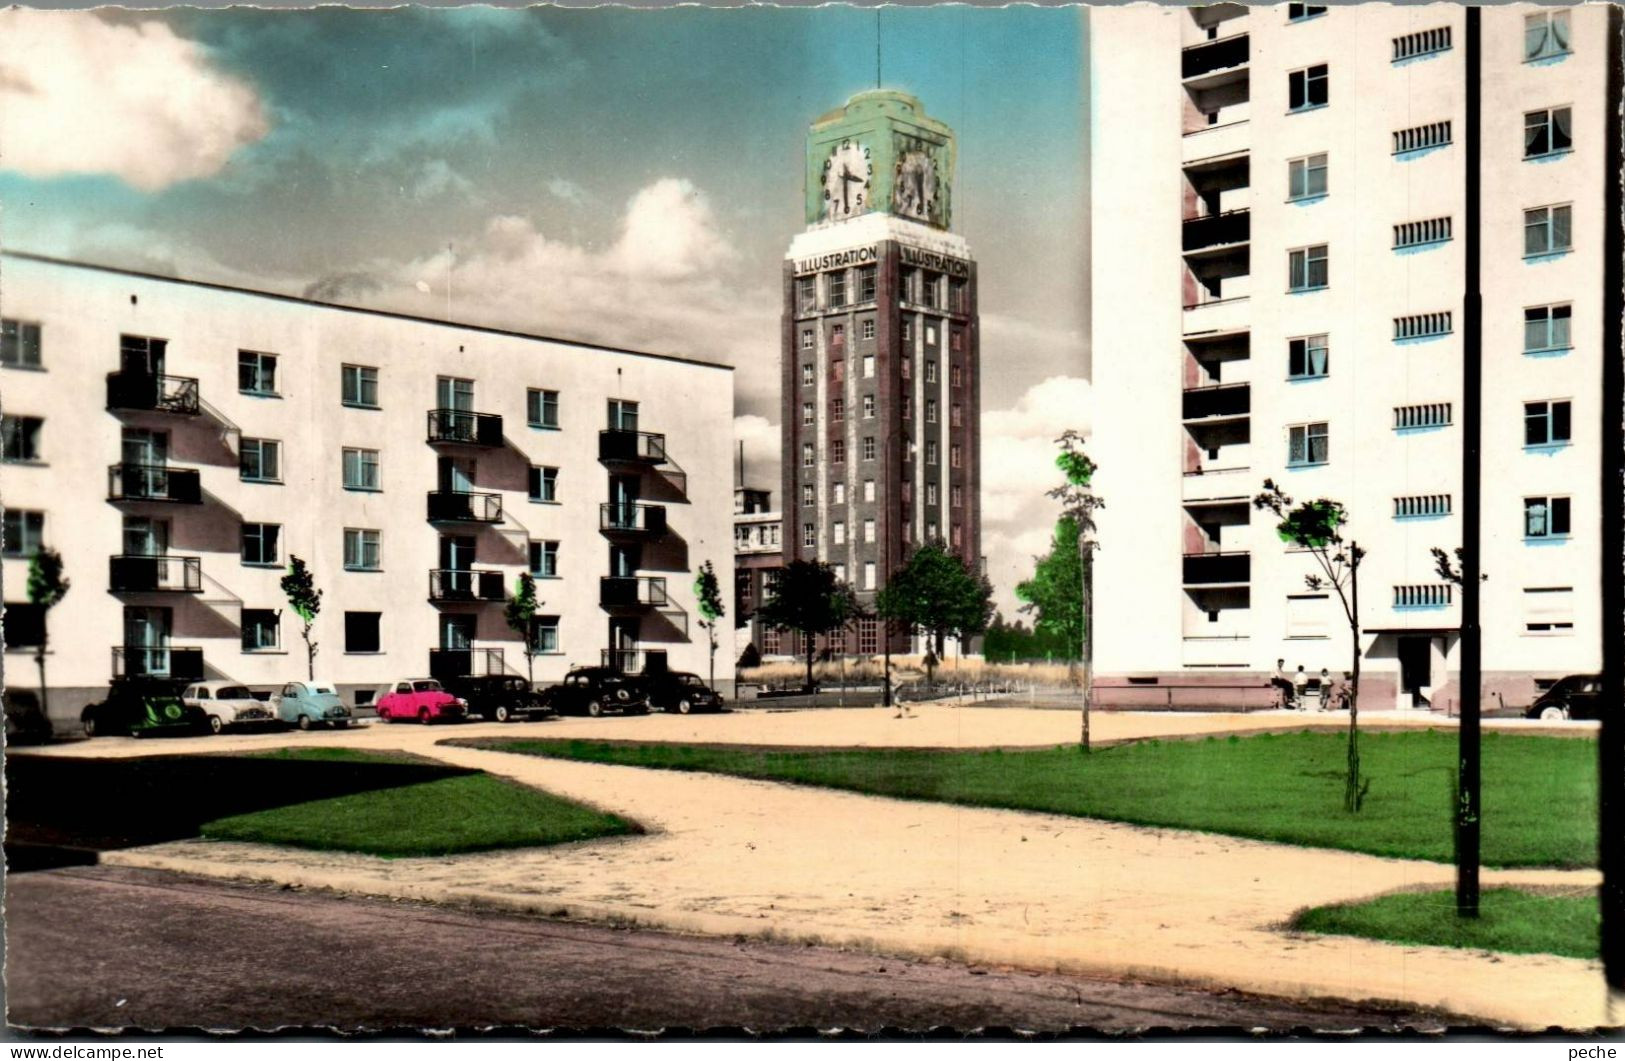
[(419, 699)]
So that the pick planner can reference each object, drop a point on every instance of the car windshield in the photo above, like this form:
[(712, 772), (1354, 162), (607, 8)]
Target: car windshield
[(427, 687), (235, 692)]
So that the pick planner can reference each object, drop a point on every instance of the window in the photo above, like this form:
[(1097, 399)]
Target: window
[(956, 415), (362, 550), (1545, 34), (361, 469), (837, 288), (868, 327), (837, 451), (1306, 177), (807, 416), (868, 447), (1308, 88), (1417, 233), (544, 634), (809, 494), (906, 368), (837, 370), (21, 437), (1299, 12), (931, 335), (260, 543), (908, 406), (838, 494), (542, 408), (908, 329), (1423, 42), (908, 492), (24, 532), (869, 490), (1307, 268), (1423, 596), (256, 372), (930, 371), (955, 456), (544, 484), (1546, 328), (958, 536), (866, 290), (807, 374), (1548, 610), (1546, 517), (1423, 326), (809, 534), (869, 530), (1422, 137), (837, 409), (1432, 414), (930, 410), (931, 531), (930, 493), (868, 366), (838, 531), (868, 406), (262, 630), (1421, 505), (544, 559), (868, 574), (1547, 230), (1306, 444), (837, 338), (24, 625), (958, 301), (806, 339), (361, 631), (958, 375), (1307, 358), (931, 451), (806, 454), (806, 293), (929, 283), (19, 344), (1547, 132), (358, 386), (1546, 423), (1308, 616)]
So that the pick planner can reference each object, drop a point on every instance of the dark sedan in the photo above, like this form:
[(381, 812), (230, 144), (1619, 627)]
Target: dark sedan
[(681, 692), (1578, 696), (595, 690)]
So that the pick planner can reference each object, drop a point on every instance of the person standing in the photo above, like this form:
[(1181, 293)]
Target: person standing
[(1300, 685), (1282, 684), (891, 684), (1325, 689)]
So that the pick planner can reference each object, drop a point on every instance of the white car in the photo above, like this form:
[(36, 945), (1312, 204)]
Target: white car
[(227, 704)]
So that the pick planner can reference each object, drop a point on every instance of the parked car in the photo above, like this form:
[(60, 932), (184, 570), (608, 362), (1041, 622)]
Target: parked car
[(140, 709), (1576, 696), (681, 692), (307, 704), (594, 690), (227, 704), (422, 699), (499, 697)]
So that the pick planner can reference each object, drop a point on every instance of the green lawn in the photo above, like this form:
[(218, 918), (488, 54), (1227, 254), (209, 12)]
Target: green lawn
[(460, 812), (1539, 799), (1509, 920)]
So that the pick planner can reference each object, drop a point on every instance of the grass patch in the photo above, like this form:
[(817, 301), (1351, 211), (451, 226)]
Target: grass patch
[(460, 812), (1538, 799), (1511, 920)]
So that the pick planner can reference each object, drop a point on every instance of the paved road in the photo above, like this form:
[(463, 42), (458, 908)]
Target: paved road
[(110, 947)]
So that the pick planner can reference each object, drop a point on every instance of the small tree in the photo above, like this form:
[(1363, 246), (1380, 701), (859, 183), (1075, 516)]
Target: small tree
[(520, 613), (46, 588), (936, 594), (1079, 502), (1317, 527), (709, 597), (306, 601), (810, 600), (1054, 594)]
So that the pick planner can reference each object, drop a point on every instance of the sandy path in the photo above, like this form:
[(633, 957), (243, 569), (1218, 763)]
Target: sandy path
[(733, 856)]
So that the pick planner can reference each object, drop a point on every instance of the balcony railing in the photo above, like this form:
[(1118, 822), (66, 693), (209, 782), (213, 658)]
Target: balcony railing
[(634, 661), (143, 390), (446, 584), (460, 425), (640, 447), (155, 574), (457, 506), (1216, 230), (153, 482), (175, 664), (1207, 569), (632, 518), (448, 663), (631, 592), (1225, 399), (1208, 56)]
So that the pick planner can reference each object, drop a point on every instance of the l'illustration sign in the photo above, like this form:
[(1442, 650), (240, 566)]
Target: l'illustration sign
[(856, 256), (940, 262)]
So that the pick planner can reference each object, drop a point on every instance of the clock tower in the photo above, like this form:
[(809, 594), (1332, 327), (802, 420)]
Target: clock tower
[(881, 382)]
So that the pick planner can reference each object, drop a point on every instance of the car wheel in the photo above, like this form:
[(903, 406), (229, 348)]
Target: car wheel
[(89, 724), (304, 723), (1554, 713), (684, 706), (595, 708), (423, 715), (215, 724), (501, 713)]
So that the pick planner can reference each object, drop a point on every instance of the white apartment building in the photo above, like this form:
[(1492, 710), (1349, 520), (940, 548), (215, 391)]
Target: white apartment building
[(178, 442), (1278, 280)]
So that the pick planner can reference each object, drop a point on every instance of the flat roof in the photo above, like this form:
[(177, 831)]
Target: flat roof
[(392, 314)]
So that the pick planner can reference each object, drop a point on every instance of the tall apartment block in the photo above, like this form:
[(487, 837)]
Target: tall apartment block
[(881, 387), (1278, 281), (178, 442)]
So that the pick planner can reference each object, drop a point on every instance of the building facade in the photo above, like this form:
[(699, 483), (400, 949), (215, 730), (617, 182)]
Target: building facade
[(881, 381), (1278, 282), (178, 443), (758, 558)]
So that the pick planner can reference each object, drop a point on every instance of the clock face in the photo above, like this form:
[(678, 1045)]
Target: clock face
[(846, 181), (914, 191)]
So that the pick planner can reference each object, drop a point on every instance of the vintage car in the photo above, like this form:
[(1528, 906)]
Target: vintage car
[(141, 709), (499, 697), (422, 700), (307, 704), (1578, 696), (681, 692), (594, 690), (227, 704)]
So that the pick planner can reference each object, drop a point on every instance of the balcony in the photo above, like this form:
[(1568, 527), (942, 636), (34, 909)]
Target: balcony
[(448, 663), (1220, 650), (1216, 231), (631, 519), (451, 586), (632, 592), (155, 574), (153, 482), (631, 447), (1223, 401), (1217, 484), (174, 664), (145, 391), (1229, 134), (1217, 316), (464, 427), (1216, 62), (634, 661), (458, 506), (1217, 569)]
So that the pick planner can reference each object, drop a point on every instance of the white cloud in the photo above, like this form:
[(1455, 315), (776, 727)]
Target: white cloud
[(567, 190), (670, 232), (435, 178), (762, 442), (81, 95)]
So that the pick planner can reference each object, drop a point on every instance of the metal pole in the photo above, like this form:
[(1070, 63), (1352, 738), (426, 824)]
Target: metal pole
[(885, 555)]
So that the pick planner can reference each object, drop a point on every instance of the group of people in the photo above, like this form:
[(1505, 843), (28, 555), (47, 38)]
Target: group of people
[(1293, 690)]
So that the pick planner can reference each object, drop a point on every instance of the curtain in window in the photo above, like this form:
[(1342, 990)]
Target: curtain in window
[(1535, 32), (1562, 223), (1534, 513), (1562, 129), (1295, 450), (1317, 358)]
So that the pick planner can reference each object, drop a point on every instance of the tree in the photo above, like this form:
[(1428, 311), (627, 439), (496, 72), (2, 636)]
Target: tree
[(520, 613), (1317, 527), (1054, 594), (810, 600), (306, 601), (46, 588), (1079, 502), (936, 594), (709, 597)]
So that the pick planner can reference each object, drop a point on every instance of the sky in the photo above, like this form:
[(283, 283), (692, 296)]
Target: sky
[(628, 177)]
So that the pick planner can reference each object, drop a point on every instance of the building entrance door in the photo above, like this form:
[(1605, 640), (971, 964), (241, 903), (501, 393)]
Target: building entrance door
[(1415, 669)]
